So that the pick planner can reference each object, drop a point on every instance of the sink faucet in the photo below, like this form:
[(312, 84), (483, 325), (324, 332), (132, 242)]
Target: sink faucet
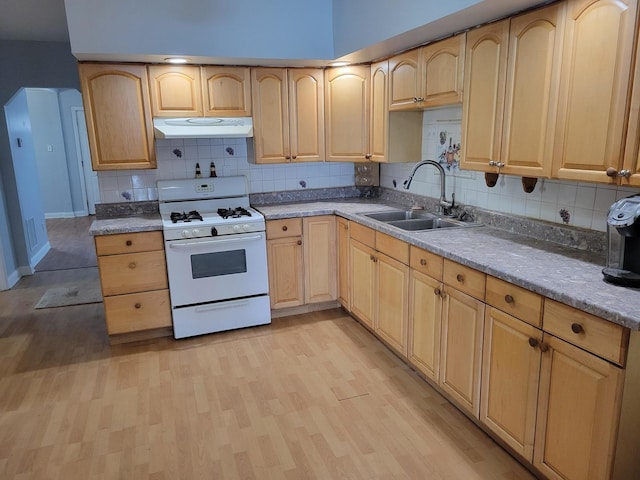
[(446, 206)]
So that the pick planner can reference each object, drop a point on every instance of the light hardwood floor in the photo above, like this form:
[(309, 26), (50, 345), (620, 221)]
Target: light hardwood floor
[(312, 396)]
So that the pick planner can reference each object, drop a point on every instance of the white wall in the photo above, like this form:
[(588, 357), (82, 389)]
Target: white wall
[(67, 99), (240, 29), (586, 203), (50, 153)]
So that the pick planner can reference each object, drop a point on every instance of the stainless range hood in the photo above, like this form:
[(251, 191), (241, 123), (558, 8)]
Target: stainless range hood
[(203, 127)]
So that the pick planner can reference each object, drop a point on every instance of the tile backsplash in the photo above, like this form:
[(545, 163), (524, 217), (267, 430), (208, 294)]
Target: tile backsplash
[(177, 159), (574, 203)]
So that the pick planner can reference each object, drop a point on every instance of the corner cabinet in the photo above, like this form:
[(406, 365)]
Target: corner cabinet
[(347, 113), (288, 115), (118, 113)]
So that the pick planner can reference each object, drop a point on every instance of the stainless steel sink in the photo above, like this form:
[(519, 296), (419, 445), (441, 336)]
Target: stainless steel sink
[(424, 224), (393, 215)]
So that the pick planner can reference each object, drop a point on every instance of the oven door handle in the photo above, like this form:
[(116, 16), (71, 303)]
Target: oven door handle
[(222, 306), (214, 242)]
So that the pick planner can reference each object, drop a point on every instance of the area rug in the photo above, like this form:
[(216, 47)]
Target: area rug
[(71, 295)]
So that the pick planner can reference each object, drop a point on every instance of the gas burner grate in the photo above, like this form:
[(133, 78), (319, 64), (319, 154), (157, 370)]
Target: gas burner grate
[(234, 212), (185, 217)]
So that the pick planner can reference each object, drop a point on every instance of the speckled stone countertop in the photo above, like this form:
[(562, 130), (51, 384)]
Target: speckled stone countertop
[(564, 274), (126, 224)]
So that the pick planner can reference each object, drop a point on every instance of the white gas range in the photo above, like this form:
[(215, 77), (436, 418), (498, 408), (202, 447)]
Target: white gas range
[(215, 246)]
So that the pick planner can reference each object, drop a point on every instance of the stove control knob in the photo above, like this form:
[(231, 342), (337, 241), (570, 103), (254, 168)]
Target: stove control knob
[(236, 229), (214, 231), (246, 227), (185, 233)]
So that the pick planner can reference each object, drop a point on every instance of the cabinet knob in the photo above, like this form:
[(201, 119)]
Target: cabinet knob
[(285, 228), (423, 262), (612, 172), (287, 157), (544, 347), (368, 156), (460, 278), (533, 342), (129, 243), (577, 328), (299, 242), (294, 156), (132, 265), (508, 298), (437, 291), (372, 258), (493, 163), (137, 305)]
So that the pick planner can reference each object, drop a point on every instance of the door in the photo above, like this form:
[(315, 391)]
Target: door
[(226, 91), (175, 90), (379, 140), (270, 115), (442, 71), (319, 248), (363, 272), (286, 272), (405, 82), (343, 263), (306, 114), (392, 302), (88, 176)]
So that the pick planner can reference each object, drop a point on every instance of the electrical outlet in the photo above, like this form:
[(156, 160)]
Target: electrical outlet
[(49, 148)]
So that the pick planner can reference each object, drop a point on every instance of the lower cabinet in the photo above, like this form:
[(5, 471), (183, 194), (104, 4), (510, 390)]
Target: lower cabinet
[(301, 256), (133, 276), (344, 284), (392, 302), (363, 281)]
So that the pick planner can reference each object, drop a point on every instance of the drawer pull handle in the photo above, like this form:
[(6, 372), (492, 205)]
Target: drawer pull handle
[(577, 328), (137, 305), (508, 298), (129, 243), (132, 265), (460, 278), (423, 262), (544, 347), (299, 242), (533, 342), (284, 228)]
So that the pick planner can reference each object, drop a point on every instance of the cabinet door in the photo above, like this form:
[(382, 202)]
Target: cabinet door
[(596, 65), (484, 88), (405, 82), (461, 349), (442, 66), (578, 409), (363, 286), (533, 73), (392, 302), (347, 101), (425, 313), (175, 91), (343, 263), (319, 258), (119, 125), (270, 115), (306, 114), (286, 274), (632, 146), (379, 112), (226, 91), (510, 375)]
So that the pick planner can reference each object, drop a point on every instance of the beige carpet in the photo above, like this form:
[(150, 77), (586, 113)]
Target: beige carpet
[(71, 295)]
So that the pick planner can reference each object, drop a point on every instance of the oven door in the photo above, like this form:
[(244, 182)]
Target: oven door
[(217, 268)]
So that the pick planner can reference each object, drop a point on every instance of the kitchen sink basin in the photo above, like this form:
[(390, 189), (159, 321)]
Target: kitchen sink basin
[(394, 215), (424, 224)]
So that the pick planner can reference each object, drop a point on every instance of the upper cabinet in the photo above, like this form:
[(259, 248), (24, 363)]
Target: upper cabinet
[(426, 77), (516, 138), (175, 91), (347, 110), (192, 91), (596, 64), (288, 107), (118, 113)]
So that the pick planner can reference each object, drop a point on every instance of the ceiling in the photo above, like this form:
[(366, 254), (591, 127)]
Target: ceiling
[(36, 20)]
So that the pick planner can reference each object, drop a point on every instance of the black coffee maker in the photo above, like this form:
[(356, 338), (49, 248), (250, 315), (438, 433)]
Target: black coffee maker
[(623, 243)]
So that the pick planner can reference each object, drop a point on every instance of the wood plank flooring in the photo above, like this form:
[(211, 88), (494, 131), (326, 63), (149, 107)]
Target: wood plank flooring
[(314, 396)]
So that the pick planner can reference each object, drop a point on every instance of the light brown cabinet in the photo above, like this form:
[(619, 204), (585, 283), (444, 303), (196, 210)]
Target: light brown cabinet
[(301, 256), (344, 283), (596, 66), (528, 122), (288, 115), (193, 91), (118, 115), (347, 113), (427, 77), (133, 276)]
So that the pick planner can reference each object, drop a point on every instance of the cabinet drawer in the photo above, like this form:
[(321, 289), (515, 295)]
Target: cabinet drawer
[(465, 279), (131, 273), (587, 331), (392, 247), (363, 234), (426, 262), (137, 311), (516, 301), (287, 227), (129, 243)]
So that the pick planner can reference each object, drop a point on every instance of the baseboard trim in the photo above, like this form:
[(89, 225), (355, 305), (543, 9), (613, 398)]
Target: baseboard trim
[(13, 278), (37, 258), (310, 307), (60, 215)]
